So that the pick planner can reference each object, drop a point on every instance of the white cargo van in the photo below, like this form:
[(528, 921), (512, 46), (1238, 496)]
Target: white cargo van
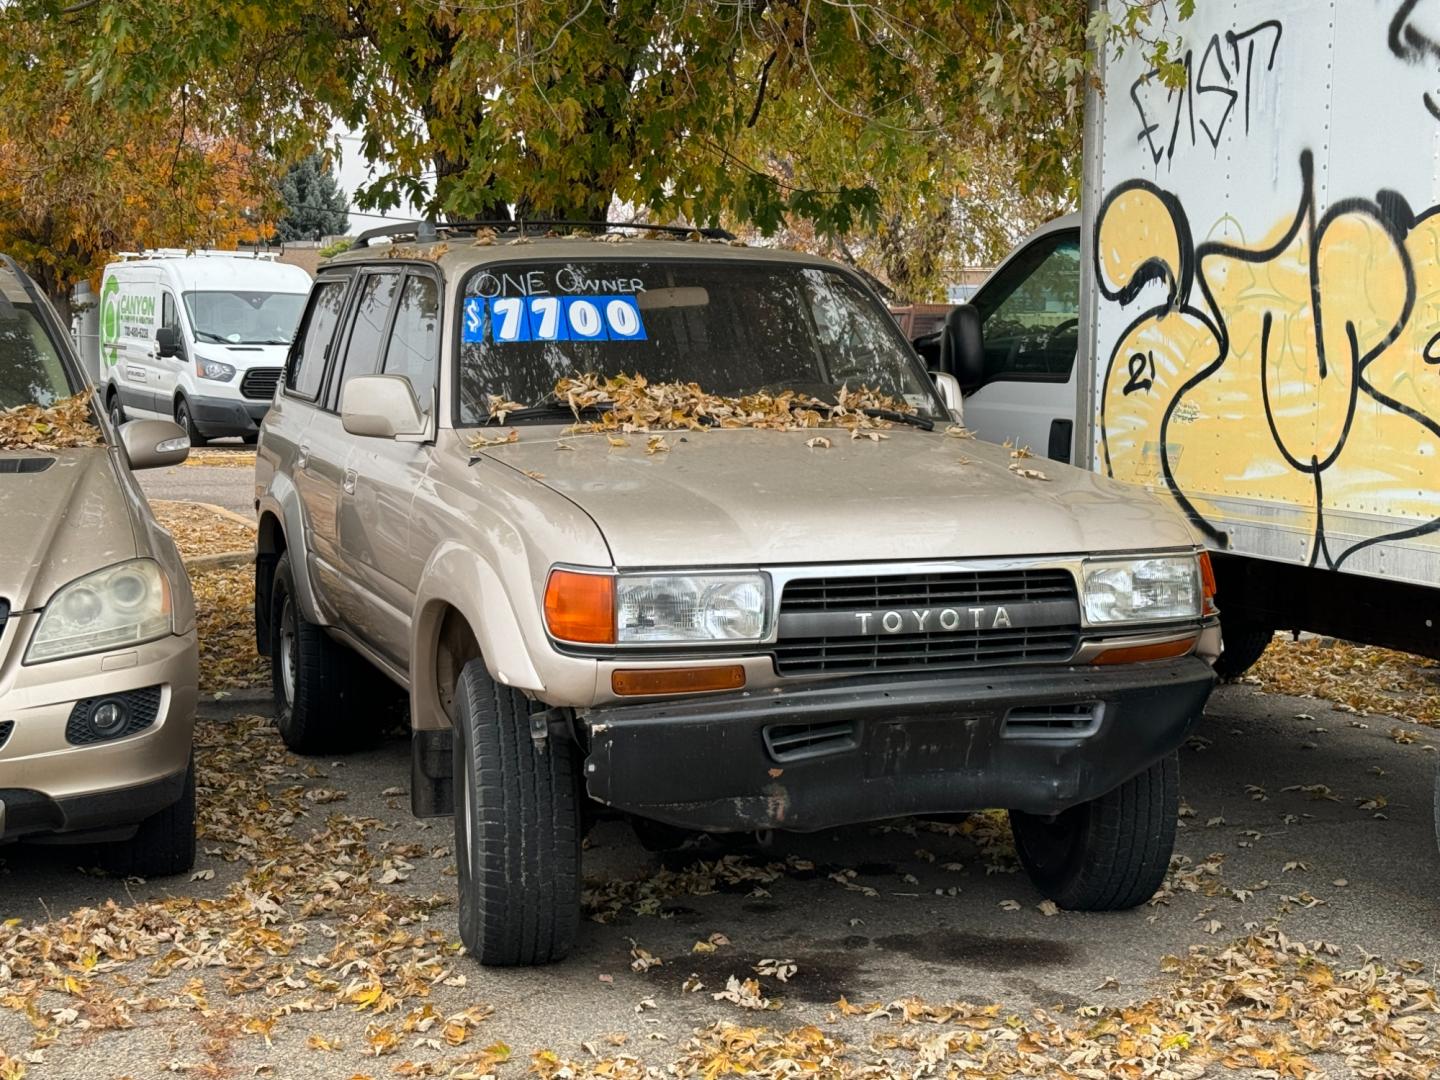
[(197, 337)]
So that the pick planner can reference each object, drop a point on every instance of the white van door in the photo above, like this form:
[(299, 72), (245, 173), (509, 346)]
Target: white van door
[(169, 371), (137, 303), (1030, 318)]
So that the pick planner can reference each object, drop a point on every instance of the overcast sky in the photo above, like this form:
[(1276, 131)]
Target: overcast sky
[(354, 171)]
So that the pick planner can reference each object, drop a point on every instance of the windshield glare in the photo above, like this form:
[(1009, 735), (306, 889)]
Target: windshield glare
[(31, 372), (244, 318), (733, 328)]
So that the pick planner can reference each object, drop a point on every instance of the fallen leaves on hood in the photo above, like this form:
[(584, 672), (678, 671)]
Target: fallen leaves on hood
[(478, 442), (65, 425)]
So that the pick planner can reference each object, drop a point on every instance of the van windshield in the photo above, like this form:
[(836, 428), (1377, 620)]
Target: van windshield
[(31, 372), (733, 327), (244, 318)]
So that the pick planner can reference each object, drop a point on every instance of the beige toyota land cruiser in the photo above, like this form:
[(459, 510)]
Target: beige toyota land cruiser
[(684, 528)]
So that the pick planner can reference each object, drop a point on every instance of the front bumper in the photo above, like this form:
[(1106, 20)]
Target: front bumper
[(837, 753), (218, 418), (49, 784)]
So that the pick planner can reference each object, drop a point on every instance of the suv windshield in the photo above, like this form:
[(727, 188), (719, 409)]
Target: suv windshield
[(244, 318), (31, 372), (734, 328)]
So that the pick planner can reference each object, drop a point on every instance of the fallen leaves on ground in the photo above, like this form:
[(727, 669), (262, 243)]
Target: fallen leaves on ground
[(198, 530), (1359, 678), (225, 619), (220, 458), (65, 425)]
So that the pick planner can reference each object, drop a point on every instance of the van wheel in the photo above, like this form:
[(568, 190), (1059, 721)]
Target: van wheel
[(115, 409), (316, 705), (184, 419), (164, 844), (517, 828), (1241, 645), (1110, 853)]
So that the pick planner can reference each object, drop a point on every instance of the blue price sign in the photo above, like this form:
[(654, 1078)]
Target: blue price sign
[(545, 314), (473, 328), (515, 319), (622, 317)]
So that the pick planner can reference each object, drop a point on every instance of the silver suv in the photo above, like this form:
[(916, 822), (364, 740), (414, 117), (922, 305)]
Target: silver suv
[(683, 528)]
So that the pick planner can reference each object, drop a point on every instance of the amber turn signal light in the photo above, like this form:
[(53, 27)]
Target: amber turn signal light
[(1207, 584), (687, 680), (580, 607), (1138, 654)]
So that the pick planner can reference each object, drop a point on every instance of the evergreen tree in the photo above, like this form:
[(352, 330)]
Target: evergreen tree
[(314, 204)]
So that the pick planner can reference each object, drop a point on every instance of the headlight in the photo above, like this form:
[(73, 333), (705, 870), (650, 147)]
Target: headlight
[(1143, 590), (641, 609), (109, 609), (214, 369)]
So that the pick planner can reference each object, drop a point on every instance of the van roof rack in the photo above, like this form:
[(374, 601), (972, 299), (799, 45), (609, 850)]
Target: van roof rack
[(185, 253), (424, 232)]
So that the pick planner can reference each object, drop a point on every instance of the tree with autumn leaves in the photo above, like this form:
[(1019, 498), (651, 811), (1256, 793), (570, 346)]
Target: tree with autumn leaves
[(877, 128)]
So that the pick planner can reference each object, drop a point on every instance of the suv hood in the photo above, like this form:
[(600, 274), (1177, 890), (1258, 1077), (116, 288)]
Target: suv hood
[(59, 522), (747, 497)]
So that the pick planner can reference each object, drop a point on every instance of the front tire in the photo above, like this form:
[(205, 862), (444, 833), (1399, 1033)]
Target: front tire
[(1241, 645), (186, 421), (1110, 853), (116, 409), (317, 708), (517, 828), (163, 846)]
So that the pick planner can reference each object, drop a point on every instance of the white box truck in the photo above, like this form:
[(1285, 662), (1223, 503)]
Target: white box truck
[(1245, 316), (198, 337)]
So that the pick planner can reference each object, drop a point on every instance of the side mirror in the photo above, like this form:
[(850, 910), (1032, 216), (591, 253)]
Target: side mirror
[(167, 340), (962, 346), (949, 389), (151, 444), (380, 406)]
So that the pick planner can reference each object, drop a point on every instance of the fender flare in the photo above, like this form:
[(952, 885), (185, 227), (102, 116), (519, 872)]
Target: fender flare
[(282, 501), (458, 577)]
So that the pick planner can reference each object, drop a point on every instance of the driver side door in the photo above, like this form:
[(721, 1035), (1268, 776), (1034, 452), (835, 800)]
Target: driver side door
[(1030, 316)]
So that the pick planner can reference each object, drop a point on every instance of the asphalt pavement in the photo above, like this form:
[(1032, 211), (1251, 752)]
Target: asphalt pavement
[(231, 486)]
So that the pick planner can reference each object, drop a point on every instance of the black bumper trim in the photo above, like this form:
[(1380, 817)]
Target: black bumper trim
[(219, 417), (925, 745), (27, 812)]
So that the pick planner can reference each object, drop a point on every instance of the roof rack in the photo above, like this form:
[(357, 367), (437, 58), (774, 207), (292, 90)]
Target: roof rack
[(185, 253), (423, 232)]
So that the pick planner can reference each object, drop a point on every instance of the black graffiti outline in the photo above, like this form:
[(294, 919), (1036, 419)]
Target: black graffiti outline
[(1138, 380), (1388, 210), (1413, 47)]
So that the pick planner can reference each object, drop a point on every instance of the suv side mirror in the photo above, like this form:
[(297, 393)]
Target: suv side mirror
[(167, 340), (151, 444), (962, 346), (380, 406)]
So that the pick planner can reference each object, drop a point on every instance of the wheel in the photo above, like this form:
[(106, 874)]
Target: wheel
[(1241, 644), (164, 844), (319, 707), (517, 828), (184, 419), (115, 409), (1110, 853)]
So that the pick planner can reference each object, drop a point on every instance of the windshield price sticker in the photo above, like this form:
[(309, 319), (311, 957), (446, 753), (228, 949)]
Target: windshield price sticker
[(515, 319)]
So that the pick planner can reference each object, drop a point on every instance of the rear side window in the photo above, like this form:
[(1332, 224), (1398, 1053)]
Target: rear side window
[(312, 346), (169, 317), (368, 330), (414, 349)]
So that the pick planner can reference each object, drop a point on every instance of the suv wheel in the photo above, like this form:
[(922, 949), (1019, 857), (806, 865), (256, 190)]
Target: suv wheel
[(517, 828), (316, 704), (1241, 644), (164, 844), (186, 421), (1107, 854)]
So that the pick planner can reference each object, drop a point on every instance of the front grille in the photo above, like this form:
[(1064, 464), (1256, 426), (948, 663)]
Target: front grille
[(143, 706), (259, 383), (25, 465), (994, 643), (798, 742)]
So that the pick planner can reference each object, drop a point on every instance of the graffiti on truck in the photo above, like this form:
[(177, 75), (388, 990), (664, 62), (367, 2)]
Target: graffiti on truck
[(1303, 367), (1417, 42)]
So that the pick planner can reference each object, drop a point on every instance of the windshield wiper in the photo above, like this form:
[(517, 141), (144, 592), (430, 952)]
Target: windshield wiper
[(913, 419), (549, 409)]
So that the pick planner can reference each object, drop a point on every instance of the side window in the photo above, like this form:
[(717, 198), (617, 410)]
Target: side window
[(306, 370), (414, 349), (1031, 314), (169, 316), (364, 348)]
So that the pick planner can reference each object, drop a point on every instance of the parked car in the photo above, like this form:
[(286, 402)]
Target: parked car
[(98, 662), (197, 337), (725, 628)]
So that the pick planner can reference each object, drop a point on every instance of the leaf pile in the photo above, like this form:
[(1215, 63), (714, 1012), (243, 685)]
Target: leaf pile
[(198, 530), (1358, 678), (219, 457), (66, 425), (225, 619)]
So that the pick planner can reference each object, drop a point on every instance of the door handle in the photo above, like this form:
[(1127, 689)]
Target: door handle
[(348, 482), (302, 457)]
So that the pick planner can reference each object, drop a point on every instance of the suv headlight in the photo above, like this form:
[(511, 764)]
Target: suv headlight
[(1143, 590), (121, 605), (645, 609), (214, 369)]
